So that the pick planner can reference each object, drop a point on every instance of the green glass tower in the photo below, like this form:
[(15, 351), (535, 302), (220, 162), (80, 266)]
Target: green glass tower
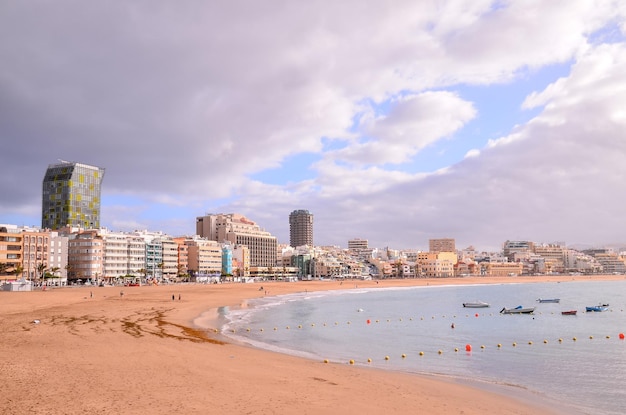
[(71, 196)]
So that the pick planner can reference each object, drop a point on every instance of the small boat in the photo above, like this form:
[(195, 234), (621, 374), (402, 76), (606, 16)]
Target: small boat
[(476, 304), (517, 310), (600, 307), (548, 300), (569, 313)]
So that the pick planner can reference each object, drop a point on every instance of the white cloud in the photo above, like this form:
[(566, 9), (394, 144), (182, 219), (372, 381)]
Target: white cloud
[(183, 104)]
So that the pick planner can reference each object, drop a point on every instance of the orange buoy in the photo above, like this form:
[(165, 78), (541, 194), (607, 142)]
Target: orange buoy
[(468, 347), (368, 321), (621, 336)]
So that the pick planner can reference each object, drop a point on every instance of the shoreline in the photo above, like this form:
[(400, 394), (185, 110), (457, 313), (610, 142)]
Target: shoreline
[(127, 353)]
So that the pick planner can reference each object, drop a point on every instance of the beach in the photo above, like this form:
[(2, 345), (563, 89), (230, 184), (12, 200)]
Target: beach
[(136, 350)]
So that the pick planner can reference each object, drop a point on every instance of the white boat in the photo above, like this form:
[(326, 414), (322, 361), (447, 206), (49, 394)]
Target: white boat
[(476, 304), (548, 300), (517, 310)]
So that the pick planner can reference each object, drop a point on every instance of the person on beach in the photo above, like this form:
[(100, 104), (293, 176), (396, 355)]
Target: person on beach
[(173, 297)]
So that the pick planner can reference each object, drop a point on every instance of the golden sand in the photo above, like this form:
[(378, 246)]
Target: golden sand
[(94, 351)]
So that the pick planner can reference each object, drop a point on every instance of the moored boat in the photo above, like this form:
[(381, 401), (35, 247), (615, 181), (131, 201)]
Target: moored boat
[(517, 310), (548, 300), (569, 312), (476, 304), (599, 307)]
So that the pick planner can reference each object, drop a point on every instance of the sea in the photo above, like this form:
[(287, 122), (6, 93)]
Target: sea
[(576, 362)]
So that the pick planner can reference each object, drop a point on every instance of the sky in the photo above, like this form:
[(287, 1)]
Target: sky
[(395, 122)]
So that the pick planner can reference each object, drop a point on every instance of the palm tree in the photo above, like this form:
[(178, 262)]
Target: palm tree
[(17, 270), (41, 270), (68, 271)]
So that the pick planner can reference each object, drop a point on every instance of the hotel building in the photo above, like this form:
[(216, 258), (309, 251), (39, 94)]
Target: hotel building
[(71, 196), (239, 230)]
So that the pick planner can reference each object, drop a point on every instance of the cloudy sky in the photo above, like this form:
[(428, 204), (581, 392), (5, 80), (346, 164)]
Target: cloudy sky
[(395, 122)]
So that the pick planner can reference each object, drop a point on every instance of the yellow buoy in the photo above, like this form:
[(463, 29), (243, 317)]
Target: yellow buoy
[(456, 349), (591, 337), (351, 361), (403, 356), (545, 341), (421, 353), (325, 360), (499, 345), (560, 340), (514, 344), (440, 351), (386, 357), (482, 346), (369, 360), (530, 342), (574, 339)]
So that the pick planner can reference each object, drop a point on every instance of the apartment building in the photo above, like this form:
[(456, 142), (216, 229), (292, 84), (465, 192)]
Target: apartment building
[(11, 252), (85, 256), (204, 256), (300, 228), (442, 245)]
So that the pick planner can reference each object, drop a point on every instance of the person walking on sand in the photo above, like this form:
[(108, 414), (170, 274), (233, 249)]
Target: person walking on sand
[(178, 297), (173, 298)]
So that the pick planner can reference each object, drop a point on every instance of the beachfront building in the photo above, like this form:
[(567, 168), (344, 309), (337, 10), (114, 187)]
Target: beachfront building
[(442, 245), (169, 267), (241, 261), (11, 252), (45, 256), (239, 230), (300, 228), (552, 255), (124, 257), (576, 261), (501, 269), (71, 196), (326, 266), (85, 260), (204, 257), (183, 258)]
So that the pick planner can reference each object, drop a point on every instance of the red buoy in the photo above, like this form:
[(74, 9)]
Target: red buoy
[(621, 336), (476, 314), (368, 321), (468, 347)]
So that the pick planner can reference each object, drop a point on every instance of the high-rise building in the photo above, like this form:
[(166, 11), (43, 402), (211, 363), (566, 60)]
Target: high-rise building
[(300, 228), (239, 230), (71, 196)]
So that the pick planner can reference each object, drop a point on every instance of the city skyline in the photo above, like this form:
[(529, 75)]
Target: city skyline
[(481, 121)]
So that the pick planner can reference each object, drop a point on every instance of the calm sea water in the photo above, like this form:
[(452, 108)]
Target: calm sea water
[(579, 361)]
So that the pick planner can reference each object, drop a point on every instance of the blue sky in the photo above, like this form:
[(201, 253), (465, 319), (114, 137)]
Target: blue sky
[(478, 120)]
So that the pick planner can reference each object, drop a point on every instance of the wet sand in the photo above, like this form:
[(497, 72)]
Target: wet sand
[(94, 351)]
